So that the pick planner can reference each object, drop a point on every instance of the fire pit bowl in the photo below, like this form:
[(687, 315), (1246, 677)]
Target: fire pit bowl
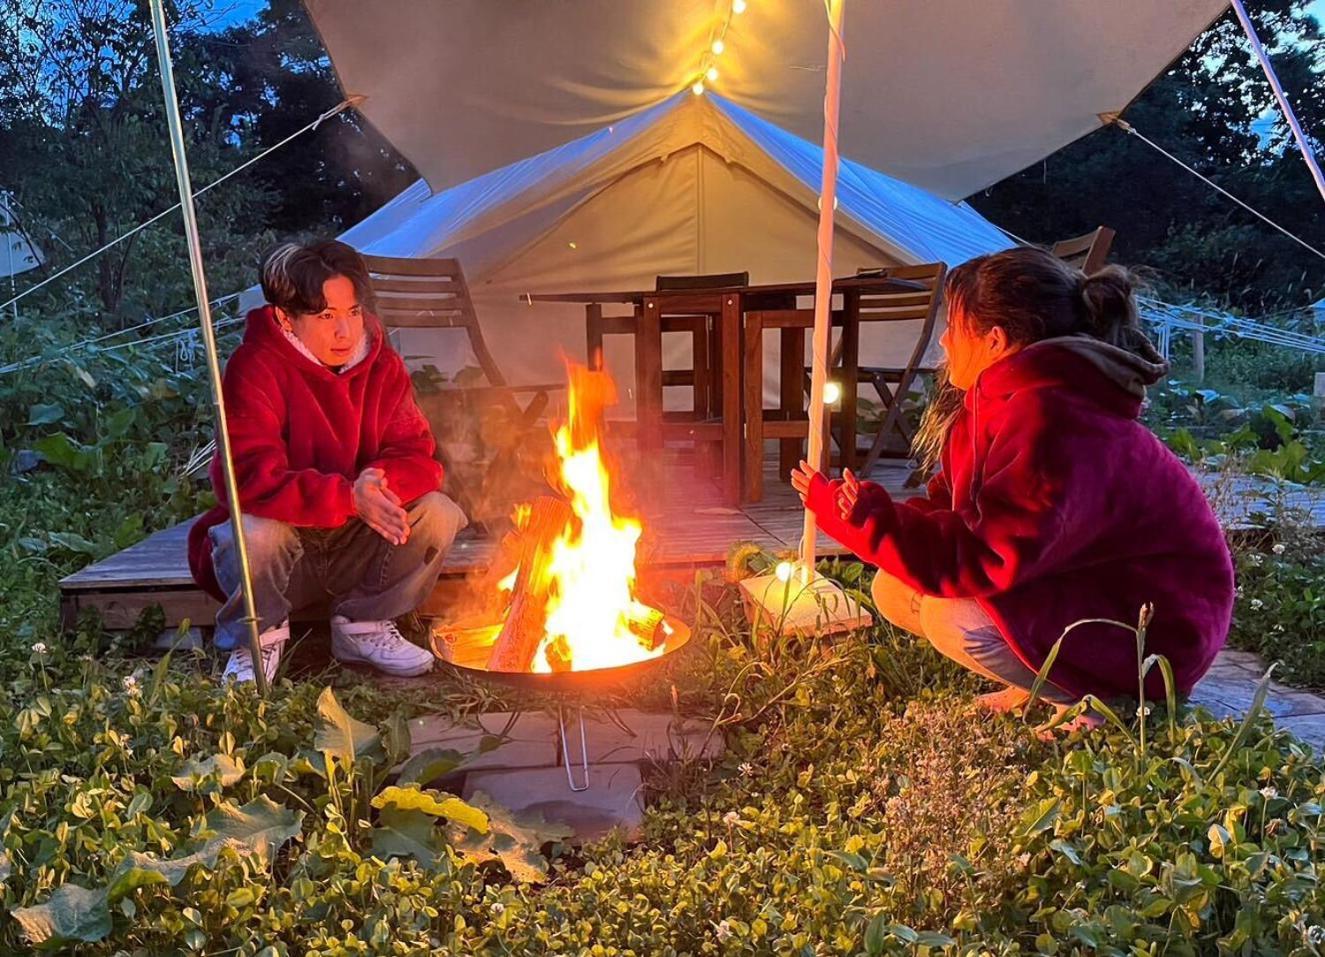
[(465, 652)]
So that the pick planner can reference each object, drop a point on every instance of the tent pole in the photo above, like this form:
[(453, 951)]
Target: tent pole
[(823, 280), (208, 333), (1284, 105)]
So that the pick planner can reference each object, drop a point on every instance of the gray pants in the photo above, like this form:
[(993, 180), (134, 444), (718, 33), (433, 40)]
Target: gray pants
[(361, 574), (959, 629)]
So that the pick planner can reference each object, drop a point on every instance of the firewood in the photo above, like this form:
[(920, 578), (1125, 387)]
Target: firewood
[(526, 618)]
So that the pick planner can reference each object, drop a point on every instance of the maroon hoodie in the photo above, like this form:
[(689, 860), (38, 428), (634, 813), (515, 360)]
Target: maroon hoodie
[(300, 434), (1055, 505)]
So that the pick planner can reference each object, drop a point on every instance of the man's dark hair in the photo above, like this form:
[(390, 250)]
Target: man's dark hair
[(292, 275)]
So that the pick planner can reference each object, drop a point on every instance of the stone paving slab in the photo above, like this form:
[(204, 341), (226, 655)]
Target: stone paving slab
[(657, 737), (1227, 689), (614, 799), (532, 740)]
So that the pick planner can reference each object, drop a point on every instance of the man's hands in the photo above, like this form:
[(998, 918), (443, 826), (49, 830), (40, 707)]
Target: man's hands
[(847, 495), (379, 507)]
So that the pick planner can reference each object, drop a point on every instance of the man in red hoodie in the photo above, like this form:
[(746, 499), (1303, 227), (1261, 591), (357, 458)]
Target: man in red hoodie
[(337, 480)]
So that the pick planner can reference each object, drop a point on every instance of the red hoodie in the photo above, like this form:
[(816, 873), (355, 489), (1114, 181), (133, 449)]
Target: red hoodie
[(1055, 505), (300, 434)]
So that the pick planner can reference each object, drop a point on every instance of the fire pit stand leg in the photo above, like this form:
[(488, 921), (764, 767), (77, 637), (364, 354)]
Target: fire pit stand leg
[(565, 750)]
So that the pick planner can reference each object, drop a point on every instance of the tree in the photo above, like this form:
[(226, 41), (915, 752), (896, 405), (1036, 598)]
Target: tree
[(1204, 111)]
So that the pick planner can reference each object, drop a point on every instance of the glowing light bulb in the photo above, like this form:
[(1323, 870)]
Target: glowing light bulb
[(784, 571), (711, 73), (738, 6), (832, 392), (718, 46), (698, 88), (572, 246)]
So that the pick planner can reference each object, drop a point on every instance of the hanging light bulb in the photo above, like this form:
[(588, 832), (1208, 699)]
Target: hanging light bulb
[(738, 7), (712, 74), (832, 392), (698, 88), (718, 46)]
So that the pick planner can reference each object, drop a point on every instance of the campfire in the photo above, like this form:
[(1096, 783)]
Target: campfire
[(561, 596)]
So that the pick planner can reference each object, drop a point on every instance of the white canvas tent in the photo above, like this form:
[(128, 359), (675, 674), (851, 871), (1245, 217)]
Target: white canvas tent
[(18, 253), (950, 95), (693, 185)]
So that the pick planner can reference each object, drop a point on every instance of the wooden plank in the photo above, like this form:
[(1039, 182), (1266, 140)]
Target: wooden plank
[(648, 377)]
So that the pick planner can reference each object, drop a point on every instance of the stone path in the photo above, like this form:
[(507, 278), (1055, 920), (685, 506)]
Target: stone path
[(1227, 690)]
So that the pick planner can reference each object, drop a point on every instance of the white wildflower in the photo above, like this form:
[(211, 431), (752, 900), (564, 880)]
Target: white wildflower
[(39, 648), (731, 818), (724, 930), (746, 769), (131, 685), (1239, 591), (1143, 712), (498, 909), (1269, 793), (1278, 548), (1257, 604), (1257, 559)]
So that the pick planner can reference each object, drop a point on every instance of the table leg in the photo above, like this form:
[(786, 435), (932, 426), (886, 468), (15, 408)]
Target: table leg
[(731, 398), (593, 334), (648, 376), (792, 387), (754, 406), (850, 375)]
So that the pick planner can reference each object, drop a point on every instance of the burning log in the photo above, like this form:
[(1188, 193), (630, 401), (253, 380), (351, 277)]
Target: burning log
[(526, 618)]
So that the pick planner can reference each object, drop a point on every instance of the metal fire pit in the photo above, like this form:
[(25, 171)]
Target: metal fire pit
[(575, 684)]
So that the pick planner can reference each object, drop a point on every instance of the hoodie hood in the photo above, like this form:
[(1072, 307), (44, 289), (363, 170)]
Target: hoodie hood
[(1113, 376), (263, 331)]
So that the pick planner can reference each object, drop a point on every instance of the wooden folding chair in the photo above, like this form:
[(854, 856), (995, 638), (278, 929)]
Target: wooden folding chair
[(892, 384), (482, 424), (1089, 252), (701, 424)]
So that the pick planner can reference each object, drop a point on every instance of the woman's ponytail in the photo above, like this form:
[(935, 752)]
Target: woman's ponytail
[(1110, 305)]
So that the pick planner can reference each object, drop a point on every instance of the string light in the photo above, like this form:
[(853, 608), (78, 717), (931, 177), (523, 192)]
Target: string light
[(717, 46), (832, 392)]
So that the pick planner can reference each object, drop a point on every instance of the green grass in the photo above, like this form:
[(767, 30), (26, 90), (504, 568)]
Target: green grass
[(864, 806)]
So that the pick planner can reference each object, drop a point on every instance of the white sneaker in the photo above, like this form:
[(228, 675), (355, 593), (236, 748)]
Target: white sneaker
[(380, 644), (240, 666)]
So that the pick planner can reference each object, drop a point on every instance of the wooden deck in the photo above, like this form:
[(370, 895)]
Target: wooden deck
[(686, 526)]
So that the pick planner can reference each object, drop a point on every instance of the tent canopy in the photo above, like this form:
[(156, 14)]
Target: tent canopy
[(694, 185), (948, 95)]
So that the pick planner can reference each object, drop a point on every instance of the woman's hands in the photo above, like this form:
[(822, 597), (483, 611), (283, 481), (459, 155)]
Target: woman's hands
[(847, 495), (379, 507)]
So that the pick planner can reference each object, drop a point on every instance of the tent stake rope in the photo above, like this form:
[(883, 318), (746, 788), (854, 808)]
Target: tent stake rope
[(1133, 131), (181, 160), (338, 108)]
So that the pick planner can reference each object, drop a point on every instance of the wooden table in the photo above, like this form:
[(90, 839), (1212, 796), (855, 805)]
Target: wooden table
[(742, 428)]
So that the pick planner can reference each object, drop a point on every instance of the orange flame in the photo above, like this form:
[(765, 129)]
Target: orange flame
[(594, 618)]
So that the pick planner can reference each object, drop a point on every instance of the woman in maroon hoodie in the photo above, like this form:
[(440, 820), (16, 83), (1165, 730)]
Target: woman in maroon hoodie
[(336, 475), (1053, 503)]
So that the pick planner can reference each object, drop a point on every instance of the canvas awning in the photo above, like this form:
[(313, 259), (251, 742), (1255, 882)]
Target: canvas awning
[(949, 95)]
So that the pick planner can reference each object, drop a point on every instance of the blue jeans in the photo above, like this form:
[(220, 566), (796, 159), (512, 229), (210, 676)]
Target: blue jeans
[(361, 574), (959, 629)]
